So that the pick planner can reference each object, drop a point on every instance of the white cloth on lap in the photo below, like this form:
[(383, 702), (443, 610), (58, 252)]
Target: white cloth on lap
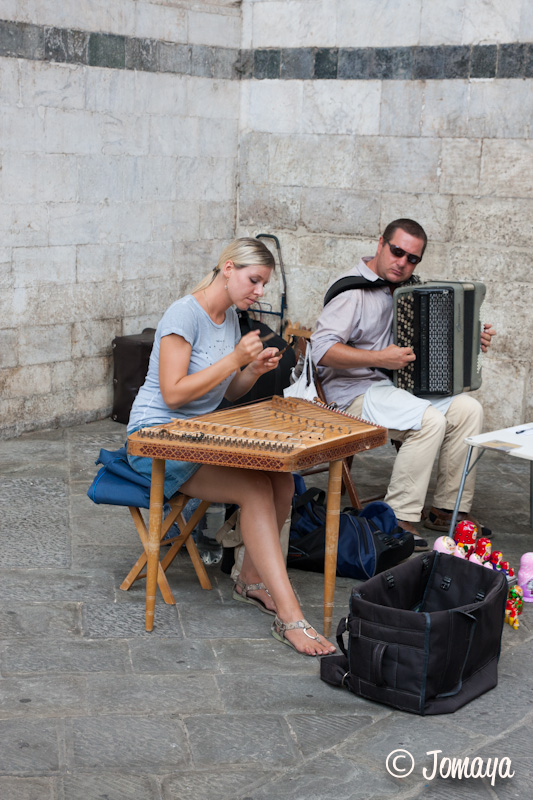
[(386, 405)]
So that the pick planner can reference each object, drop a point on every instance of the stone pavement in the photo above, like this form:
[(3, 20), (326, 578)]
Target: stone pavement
[(208, 706)]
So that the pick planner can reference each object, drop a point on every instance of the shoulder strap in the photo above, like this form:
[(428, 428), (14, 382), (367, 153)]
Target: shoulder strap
[(358, 282), (352, 282)]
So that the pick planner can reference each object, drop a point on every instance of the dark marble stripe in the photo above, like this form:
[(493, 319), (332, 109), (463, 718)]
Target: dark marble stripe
[(443, 62)]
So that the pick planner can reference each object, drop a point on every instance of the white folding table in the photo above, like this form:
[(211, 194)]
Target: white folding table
[(516, 441)]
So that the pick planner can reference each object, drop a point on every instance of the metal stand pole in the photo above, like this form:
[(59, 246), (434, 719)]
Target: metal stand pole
[(466, 472), (531, 494)]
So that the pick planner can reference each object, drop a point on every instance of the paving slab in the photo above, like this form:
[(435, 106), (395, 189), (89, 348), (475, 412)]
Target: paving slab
[(29, 747), (117, 620), (43, 696), (139, 745), (39, 619), (28, 788), (260, 657), (326, 776), (313, 732), (108, 785), (153, 694), (244, 693), (29, 455), (171, 657), (55, 585), (35, 522), (248, 738), (215, 783), (63, 656)]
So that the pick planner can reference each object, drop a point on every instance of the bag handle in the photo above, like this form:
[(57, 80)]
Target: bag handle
[(308, 365), (310, 494), (378, 653), (462, 627), (342, 627)]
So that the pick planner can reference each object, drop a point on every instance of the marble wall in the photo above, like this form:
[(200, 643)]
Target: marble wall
[(137, 137), (356, 113), (117, 186)]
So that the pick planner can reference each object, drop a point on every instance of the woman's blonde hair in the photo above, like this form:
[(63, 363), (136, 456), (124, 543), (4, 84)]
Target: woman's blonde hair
[(245, 252)]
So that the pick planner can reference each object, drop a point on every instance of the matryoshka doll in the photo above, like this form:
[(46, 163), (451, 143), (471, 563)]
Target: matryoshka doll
[(444, 544), (516, 597), (465, 536), (483, 548), (525, 576)]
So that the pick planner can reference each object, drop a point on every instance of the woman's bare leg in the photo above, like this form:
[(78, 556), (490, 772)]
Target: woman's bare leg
[(283, 490), (264, 506)]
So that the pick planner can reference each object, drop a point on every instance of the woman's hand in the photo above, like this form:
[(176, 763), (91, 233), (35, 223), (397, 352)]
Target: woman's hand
[(266, 361), (248, 349)]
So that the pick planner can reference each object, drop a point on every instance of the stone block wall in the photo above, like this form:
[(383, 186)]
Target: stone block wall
[(136, 138), (118, 148), (355, 113)]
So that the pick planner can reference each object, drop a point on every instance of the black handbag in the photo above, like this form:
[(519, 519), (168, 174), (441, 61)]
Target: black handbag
[(423, 636)]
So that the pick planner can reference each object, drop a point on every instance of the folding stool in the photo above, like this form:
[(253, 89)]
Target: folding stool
[(116, 483)]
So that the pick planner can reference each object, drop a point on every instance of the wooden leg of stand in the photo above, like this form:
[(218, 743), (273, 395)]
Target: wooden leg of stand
[(349, 484), (154, 537), (332, 537)]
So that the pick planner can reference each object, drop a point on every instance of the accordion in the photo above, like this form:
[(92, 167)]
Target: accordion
[(442, 323)]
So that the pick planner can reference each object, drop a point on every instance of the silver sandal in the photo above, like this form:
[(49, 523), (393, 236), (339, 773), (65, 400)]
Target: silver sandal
[(254, 601), (279, 628)]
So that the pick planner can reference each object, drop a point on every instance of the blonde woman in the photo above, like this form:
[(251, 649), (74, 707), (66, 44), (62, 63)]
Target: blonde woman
[(198, 358)]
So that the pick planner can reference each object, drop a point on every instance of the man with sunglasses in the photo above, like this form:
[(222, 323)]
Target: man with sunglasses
[(354, 351)]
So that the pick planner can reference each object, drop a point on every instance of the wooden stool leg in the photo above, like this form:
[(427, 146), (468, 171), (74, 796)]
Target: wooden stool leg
[(135, 572), (185, 537), (198, 564), (154, 537), (348, 483), (332, 538)]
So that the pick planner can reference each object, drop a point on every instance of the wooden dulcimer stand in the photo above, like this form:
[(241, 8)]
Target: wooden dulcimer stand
[(278, 435)]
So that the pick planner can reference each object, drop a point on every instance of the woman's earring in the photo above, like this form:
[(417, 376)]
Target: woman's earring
[(226, 286)]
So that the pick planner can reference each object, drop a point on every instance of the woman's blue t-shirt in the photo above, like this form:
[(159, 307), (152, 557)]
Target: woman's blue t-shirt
[(210, 342)]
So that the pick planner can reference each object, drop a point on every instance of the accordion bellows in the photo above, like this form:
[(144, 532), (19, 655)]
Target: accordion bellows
[(442, 323)]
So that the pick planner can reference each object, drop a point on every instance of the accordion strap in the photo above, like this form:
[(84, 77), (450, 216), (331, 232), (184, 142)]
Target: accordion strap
[(358, 282), (352, 282)]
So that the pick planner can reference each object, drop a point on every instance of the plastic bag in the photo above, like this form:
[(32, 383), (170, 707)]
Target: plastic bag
[(304, 386)]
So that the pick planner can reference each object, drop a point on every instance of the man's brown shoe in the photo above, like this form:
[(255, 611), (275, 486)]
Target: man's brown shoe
[(421, 545), (439, 519)]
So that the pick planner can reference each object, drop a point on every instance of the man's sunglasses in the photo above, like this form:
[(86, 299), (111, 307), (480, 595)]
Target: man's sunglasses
[(399, 253)]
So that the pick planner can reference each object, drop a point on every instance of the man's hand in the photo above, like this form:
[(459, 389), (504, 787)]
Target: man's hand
[(394, 357), (486, 335)]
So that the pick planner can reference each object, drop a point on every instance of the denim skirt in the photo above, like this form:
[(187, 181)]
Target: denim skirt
[(176, 472)]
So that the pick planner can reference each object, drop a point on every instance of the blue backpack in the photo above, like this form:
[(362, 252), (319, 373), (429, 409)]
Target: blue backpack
[(370, 540)]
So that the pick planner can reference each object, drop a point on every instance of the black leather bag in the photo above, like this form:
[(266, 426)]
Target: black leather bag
[(131, 355), (423, 636)]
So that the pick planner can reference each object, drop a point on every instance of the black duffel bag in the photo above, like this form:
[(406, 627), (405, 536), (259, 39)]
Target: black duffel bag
[(422, 637), (370, 539)]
